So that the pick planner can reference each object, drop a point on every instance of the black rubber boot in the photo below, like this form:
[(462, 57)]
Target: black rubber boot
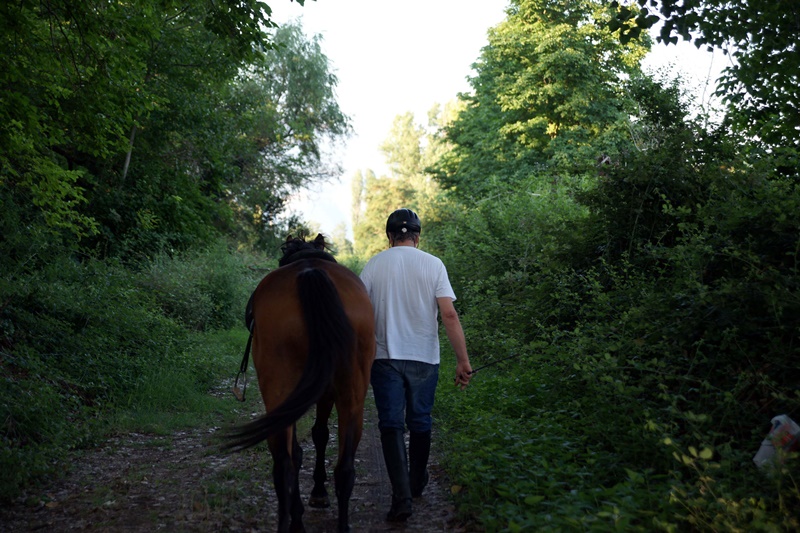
[(419, 448), (394, 454)]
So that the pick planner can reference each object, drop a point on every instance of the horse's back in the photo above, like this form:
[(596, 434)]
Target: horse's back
[(276, 304)]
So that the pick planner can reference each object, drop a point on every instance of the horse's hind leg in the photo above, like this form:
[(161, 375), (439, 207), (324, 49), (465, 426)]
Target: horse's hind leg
[(320, 434), (350, 428), (284, 478), (296, 510)]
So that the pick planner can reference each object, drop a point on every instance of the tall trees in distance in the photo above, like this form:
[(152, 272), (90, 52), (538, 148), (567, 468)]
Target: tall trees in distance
[(375, 197), (409, 149)]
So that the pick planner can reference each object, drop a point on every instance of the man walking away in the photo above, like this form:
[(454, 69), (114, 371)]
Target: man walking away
[(409, 288)]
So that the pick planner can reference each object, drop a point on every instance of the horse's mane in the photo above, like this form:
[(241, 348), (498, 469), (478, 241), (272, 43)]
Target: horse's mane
[(296, 248)]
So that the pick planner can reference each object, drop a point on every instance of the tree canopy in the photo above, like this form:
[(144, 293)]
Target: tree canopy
[(547, 95), (762, 86), (135, 125), (79, 77)]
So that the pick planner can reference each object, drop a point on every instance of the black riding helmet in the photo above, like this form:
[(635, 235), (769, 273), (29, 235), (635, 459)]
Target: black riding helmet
[(403, 220)]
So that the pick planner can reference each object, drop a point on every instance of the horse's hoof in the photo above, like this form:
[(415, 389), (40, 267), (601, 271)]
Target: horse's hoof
[(319, 502)]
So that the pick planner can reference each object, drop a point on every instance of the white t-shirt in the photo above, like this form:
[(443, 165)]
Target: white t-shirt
[(403, 284)]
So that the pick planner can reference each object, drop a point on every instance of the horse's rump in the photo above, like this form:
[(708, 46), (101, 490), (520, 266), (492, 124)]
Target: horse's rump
[(303, 335)]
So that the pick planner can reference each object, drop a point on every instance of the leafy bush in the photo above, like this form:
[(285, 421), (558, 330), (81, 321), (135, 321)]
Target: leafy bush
[(657, 326), (204, 289), (523, 454), (40, 427), (85, 338)]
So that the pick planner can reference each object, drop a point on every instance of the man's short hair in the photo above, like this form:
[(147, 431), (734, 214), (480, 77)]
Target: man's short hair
[(400, 236)]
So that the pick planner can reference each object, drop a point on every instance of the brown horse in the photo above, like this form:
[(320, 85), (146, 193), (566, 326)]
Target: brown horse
[(313, 343)]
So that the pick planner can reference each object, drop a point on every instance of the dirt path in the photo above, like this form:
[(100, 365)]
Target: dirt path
[(143, 483)]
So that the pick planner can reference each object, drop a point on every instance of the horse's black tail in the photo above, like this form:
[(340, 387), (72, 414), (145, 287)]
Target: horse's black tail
[(331, 341)]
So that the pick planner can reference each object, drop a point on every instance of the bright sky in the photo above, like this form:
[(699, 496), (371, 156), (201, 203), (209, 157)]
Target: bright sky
[(392, 57)]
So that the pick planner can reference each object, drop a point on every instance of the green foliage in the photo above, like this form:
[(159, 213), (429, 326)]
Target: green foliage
[(39, 429), (201, 289), (283, 116), (175, 394), (353, 262), (650, 194), (651, 301), (760, 36), (708, 504), (494, 253), (80, 79), (82, 338), (134, 127), (546, 100), (402, 147), (522, 455), (75, 338), (376, 198)]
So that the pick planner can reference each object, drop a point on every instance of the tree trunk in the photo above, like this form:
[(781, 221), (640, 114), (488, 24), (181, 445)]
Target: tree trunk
[(128, 155)]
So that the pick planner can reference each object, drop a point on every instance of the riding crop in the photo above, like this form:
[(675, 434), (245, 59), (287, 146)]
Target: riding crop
[(494, 363)]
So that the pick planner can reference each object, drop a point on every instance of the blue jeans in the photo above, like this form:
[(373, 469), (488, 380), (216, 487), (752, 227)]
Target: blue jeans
[(404, 388)]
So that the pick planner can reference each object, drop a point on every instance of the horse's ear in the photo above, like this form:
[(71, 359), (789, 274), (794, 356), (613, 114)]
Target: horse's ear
[(289, 238), (319, 242)]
